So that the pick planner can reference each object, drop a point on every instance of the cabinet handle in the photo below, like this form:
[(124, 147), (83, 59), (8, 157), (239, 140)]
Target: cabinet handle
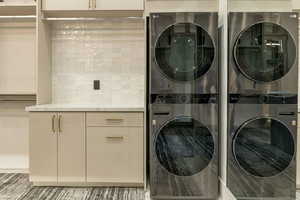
[(95, 4), (90, 4), (115, 137), (115, 120), (59, 124), (53, 122)]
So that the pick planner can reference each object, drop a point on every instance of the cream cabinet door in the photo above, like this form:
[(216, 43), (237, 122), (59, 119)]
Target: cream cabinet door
[(17, 55), (130, 5), (43, 147), (71, 147), (66, 4), (296, 4), (115, 154)]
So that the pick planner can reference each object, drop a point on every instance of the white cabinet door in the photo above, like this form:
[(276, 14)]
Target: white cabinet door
[(115, 155), (71, 147), (43, 147), (66, 4), (130, 5)]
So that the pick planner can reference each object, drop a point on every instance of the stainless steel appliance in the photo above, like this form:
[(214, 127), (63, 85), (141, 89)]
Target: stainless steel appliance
[(262, 139), (184, 53), (183, 110), (262, 114), (263, 53), (184, 147)]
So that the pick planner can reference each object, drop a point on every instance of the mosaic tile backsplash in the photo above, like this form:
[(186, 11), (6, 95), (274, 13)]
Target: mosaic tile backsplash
[(110, 51)]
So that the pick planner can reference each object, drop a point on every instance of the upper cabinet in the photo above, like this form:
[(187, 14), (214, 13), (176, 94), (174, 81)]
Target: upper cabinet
[(66, 5), (296, 4), (119, 5), (82, 5)]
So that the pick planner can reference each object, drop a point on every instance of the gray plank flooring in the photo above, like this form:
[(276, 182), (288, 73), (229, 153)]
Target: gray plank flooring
[(18, 187)]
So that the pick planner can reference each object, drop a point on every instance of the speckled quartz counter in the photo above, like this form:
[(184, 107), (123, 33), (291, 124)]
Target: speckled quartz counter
[(81, 108)]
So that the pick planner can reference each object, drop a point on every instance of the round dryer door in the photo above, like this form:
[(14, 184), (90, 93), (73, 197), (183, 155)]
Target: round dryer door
[(263, 147), (184, 52), (184, 146), (265, 52)]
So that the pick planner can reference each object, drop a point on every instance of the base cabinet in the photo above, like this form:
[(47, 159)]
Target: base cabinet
[(57, 147), (115, 154), (42, 148), (86, 149)]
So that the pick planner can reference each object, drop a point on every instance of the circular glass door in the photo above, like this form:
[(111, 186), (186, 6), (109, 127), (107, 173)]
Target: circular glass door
[(184, 146), (263, 147), (184, 52), (265, 52)]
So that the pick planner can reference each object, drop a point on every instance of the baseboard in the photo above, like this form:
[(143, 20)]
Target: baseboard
[(88, 184), (14, 171), (225, 193)]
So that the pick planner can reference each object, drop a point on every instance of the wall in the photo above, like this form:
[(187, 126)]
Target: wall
[(259, 5), (181, 6), (111, 51)]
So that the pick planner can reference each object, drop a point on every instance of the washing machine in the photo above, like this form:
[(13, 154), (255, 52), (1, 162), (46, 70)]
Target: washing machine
[(183, 53), (184, 147), (262, 138), (263, 53)]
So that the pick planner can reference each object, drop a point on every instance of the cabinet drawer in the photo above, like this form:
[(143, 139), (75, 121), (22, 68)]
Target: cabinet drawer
[(115, 119), (115, 154)]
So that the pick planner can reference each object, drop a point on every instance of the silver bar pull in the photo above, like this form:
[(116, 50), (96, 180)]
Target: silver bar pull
[(90, 4), (114, 120), (53, 124), (115, 137), (59, 124)]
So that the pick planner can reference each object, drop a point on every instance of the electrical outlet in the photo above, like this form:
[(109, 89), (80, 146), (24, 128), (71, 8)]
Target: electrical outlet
[(96, 84)]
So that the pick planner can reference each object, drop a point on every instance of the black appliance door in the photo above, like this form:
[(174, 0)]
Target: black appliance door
[(263, 147), (265, 52), (184, 52), (184, 146)]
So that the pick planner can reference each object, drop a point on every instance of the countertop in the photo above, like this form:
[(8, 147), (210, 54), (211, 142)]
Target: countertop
[(81, 108)]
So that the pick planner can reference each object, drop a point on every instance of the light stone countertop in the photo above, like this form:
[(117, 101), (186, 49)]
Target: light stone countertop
[(81, 108)]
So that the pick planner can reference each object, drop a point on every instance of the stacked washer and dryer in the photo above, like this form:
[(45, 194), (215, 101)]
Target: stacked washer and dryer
[(183, 105), (262, 119)]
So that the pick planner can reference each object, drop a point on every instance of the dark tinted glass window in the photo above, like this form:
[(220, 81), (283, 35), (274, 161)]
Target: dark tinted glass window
[(265, 52), (264, 147), (184, 146), (184, 52)]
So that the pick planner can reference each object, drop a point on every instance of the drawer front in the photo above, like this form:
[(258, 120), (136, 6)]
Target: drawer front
[(115, 154), (115, 119)]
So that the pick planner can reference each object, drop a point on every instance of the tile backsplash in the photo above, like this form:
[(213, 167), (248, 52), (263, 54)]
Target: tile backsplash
[(112, 51)]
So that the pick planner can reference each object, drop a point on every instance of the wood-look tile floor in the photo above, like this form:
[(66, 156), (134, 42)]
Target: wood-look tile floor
[(17, 187)]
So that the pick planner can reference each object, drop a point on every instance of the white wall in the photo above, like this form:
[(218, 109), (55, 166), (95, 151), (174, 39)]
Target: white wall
[(181, 6), (260, 5)]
